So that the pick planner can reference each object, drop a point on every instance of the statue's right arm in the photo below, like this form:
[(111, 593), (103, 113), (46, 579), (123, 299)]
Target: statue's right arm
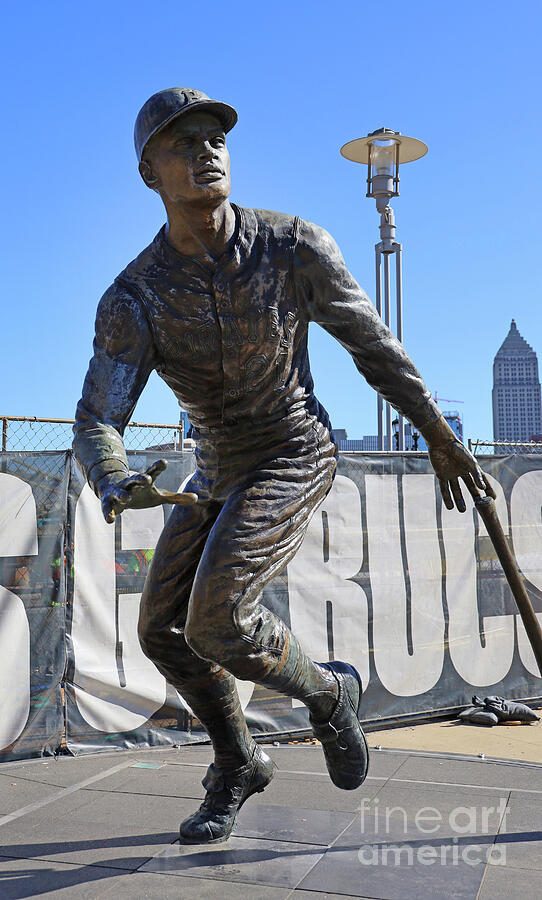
[(124, 356)]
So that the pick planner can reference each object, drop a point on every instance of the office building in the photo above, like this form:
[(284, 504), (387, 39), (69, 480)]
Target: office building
[(367, 443), (413, 439), (516, 390)]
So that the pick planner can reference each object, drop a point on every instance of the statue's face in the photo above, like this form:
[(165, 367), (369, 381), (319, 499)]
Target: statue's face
[(188, 161)]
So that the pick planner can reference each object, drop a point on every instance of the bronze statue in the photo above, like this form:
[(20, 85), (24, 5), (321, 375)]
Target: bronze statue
[(219, 304)]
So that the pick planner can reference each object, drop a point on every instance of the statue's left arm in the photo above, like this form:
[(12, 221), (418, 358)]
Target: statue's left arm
[(333, 299), (123, 359), (124, 356)]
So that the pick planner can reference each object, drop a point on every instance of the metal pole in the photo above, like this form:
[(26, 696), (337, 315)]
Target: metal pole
[(379, 402), (398, 250), (387, 320)]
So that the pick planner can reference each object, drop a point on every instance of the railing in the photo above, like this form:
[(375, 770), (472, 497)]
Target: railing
[(32, 433), (505, 447)]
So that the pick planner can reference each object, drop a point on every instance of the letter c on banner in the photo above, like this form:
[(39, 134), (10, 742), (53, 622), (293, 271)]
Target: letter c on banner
[(525, 507), (117, 688), (478, 665), (18, 537)]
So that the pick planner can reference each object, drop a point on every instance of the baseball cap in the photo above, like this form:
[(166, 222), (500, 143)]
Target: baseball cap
[(164, 106)]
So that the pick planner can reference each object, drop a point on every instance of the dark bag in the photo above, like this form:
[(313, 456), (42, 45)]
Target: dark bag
[(510, 710), (475, 715)]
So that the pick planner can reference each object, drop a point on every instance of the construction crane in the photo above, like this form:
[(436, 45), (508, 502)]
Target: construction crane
[(459, 422), (446, 399)]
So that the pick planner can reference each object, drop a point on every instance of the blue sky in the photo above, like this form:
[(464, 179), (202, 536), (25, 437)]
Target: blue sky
[(305, 77)]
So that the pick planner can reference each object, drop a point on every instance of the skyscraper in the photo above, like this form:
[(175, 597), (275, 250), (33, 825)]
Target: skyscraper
[(516, 390)]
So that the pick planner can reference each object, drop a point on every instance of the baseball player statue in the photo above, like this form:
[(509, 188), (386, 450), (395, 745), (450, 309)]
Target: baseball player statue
[(219, 305)]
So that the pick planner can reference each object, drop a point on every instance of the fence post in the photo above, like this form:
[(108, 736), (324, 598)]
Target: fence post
[(4, 434)]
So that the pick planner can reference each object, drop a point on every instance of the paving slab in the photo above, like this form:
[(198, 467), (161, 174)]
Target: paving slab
[(463, 809), (16, 792), (278, 823), (398, 863), (520, 837), (301, 793), (505, 883), (194, 753), (155, 778), (320, 895), (154, 886), (481, 773), (120, 831), (21, 878), (381, 764), (256, 862), (65, 769), (62, 771)]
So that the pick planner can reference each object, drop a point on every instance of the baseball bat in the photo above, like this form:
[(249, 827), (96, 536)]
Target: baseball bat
[(488, 512)]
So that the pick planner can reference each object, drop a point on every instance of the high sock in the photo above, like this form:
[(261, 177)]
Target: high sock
[(215, 702), (296, 675)]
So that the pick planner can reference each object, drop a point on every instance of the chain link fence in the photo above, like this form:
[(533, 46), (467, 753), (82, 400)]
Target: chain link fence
[(503, 448), (20, 433), (23, 436)]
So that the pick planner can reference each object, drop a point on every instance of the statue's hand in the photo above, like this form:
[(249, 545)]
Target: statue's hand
[(451, 461), (138, 492)]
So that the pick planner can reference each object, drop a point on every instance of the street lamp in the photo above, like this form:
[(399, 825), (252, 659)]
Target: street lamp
[(383, 151)]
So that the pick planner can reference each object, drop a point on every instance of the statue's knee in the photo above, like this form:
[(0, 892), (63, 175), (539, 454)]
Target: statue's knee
[(210, 629), (154, 642), (198, 640), (205, 634)]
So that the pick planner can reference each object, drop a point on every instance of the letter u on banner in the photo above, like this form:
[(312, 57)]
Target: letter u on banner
[(18, 537)]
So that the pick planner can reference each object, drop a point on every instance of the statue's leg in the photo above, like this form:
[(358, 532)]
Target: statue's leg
[(240, 767), (257, 532), (208, 689)]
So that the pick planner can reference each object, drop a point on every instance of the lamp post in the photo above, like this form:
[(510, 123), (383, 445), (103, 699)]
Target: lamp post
[(383, 151)]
